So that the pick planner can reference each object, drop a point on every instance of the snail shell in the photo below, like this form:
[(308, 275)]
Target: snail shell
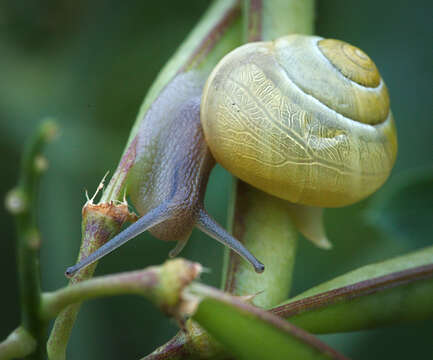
[(302, 118)]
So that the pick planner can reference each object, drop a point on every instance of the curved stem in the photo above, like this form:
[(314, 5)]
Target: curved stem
[(397, 290), (162, 284), (17, 345), (21, 203)]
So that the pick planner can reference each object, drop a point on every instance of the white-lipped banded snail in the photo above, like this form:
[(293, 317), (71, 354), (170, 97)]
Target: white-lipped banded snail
[(302, 118)]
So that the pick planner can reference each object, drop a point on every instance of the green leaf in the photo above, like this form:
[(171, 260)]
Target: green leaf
[(394, 291), (252, 333), (405, 208)]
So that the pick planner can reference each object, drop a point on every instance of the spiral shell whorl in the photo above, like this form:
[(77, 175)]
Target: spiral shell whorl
[(329, 71), (283, 117), (352, 62)]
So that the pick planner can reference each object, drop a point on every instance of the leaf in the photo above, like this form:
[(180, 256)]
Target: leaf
[(405, 208), (252, 333), (394, 291)]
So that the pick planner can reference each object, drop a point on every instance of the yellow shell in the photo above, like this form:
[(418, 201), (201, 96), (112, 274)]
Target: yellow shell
[(301, 118)]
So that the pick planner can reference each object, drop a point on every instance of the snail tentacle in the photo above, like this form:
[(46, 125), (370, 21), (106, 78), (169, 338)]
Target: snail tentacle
[(209, 226), (152, 218)]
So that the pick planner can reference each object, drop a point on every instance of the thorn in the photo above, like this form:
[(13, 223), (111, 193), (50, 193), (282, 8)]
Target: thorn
[(206, 270), (105, 176), (99, 188), (124, 197), (324, 243), (249, 298)]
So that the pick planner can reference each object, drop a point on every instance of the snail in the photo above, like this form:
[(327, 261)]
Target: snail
[(302, 118)]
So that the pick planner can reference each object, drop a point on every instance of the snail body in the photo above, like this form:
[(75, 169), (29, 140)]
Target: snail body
[(301, 118), (168, 180)]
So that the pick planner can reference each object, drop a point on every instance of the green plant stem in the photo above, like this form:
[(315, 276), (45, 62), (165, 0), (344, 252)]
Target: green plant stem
[(394, 291), (283, 17), (402, 297), (100, 222), (268, 20), (21, 202), (17, 345), (253, 333), (161, 284), (262, 222)]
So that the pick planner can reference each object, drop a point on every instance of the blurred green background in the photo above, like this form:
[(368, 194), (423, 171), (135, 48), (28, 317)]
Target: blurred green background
[(89, 65)]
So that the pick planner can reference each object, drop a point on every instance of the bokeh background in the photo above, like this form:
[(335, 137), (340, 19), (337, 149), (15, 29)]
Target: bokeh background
[(89, 64)]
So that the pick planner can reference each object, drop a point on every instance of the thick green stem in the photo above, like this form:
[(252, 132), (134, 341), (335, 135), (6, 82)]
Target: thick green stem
[(261, 222), (21, 202), (283, 17), (268, 20)]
